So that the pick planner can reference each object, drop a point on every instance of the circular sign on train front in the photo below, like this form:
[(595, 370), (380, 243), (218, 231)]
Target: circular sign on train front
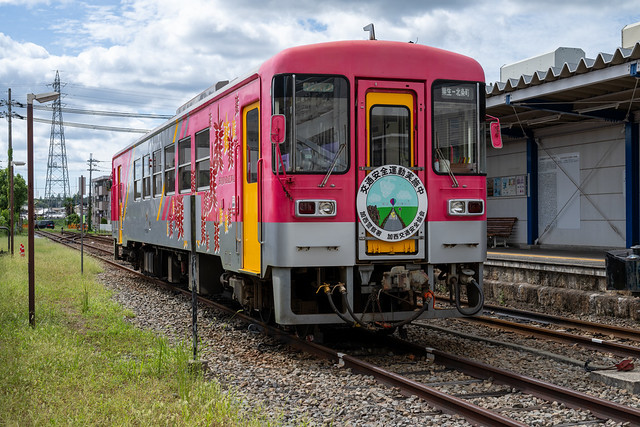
[(392, 203)]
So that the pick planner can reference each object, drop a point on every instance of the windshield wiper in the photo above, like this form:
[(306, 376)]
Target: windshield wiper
[(442, 165), (333, 165)]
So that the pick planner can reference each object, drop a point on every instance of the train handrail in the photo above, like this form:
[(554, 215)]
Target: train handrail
[(259, 166)]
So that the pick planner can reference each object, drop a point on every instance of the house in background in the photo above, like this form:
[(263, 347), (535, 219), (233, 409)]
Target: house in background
[(100, 202)]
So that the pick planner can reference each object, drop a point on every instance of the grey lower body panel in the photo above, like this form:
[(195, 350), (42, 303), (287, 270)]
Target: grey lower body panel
[(309, 244), (456, 241)]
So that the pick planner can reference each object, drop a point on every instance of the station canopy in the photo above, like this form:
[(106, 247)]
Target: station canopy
[(606, 88)]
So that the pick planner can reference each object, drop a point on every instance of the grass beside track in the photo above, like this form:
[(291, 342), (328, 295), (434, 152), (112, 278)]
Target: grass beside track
[(83, 364)]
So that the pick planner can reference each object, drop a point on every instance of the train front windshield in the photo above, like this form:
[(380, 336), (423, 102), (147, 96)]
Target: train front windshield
[(458, 128), (317, 121)]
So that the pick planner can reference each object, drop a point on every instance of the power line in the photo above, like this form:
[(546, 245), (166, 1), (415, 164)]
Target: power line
[(87, 126), (106, 113), (93, 112)]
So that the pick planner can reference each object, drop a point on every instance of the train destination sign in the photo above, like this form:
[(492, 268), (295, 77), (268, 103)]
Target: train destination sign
[(392, 203)]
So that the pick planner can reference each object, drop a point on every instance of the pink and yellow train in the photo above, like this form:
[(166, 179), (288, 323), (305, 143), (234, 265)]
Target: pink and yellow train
[(340, 182)]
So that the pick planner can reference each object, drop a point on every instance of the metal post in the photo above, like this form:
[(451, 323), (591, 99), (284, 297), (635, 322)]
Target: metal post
[(89, 212), (31, 216), (194, 298), (11, 207), (81, 185), (43, 97)]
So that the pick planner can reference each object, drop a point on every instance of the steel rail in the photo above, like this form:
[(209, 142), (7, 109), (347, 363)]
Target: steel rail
[(600, 408), (618, 331), (73, 243), (623, 350)]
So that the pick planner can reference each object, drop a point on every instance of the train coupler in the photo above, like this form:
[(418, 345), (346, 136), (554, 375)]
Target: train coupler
[(400, 278)]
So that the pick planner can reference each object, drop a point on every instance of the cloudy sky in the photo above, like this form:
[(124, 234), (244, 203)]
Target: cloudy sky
[(150, 56)]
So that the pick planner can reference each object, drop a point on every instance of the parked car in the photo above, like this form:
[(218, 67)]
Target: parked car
[(45, 223)]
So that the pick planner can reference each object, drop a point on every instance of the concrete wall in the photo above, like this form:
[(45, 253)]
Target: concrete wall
[(599, 154)]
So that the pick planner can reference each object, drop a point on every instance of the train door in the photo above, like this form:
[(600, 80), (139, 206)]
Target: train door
[(251, 256), (392, 198), (120, 196)]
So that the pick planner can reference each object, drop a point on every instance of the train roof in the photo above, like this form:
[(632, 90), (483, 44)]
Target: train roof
[(362, 59)]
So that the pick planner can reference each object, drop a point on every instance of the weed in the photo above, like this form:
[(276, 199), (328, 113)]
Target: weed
[(85, 298)]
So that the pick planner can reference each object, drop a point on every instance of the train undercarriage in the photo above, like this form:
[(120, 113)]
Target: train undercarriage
[(375, 296)]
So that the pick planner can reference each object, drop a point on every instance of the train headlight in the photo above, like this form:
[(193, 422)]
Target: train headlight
[(327, 207), (456, 207), (466, 207), (316, 208)]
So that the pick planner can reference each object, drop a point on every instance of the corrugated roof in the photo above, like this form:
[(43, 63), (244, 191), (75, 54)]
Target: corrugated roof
[(603, 60), (605, 88)]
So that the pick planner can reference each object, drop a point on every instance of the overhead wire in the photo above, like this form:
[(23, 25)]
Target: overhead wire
[(86, 126), (105, 113)]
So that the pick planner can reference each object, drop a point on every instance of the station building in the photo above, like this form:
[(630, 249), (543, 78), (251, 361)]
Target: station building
[(569, 169)]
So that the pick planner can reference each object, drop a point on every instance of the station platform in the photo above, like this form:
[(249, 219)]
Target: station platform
[(568, 257), (567, 281)]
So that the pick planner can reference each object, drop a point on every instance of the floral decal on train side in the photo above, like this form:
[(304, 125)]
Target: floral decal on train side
[(224, 143), (176, 218)]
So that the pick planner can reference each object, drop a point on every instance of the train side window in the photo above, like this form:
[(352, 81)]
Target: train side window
[(202, 159), (137, 179), (170, 169), (184, 165), (146, 176), (157, 173), (316, 110), (458, 128), (253, 145)]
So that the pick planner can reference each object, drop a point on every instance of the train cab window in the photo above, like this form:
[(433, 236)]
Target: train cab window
[(170, 169), (184, 165), (458, 128), (202, 159), (316, 110), (146, 176), (157, 173), (390, 137), (137, 179), (253, 145)]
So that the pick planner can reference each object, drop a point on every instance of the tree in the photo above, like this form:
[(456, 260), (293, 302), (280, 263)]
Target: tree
[(68, 205), (73, 219), (19, 192)]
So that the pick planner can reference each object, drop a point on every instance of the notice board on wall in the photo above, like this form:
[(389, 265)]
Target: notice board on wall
[(507, 186), (558, 195)]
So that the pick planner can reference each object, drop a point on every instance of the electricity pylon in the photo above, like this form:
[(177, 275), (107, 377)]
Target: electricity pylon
[(57, 172)]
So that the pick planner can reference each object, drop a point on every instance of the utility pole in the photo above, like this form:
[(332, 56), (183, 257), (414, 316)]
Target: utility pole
[(90, 162), (81, 184)]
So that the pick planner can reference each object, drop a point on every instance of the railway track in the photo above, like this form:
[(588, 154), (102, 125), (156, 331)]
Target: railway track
[(449, 403), (72, 240), (622, 350), (588, 335), (595, 328)]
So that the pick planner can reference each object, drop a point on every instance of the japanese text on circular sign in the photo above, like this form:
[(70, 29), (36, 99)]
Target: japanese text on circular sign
[(392, 203)]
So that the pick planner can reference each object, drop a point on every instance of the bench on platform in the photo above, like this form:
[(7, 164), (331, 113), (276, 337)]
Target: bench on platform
[(499, 228)]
